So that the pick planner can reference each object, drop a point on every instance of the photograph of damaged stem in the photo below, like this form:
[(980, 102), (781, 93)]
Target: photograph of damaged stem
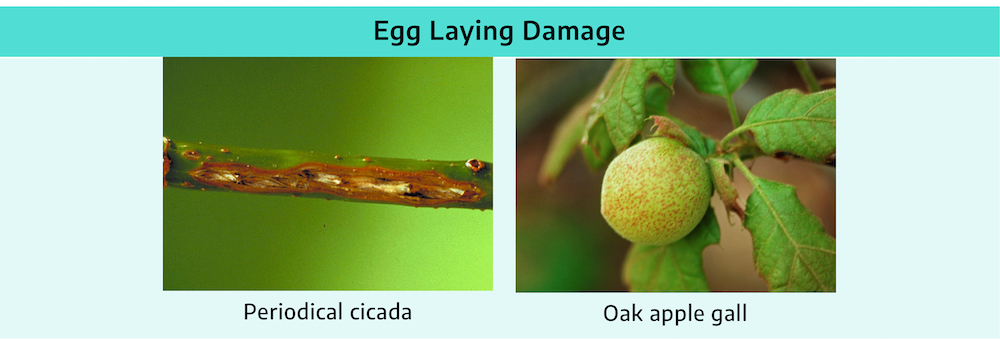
[(327, 174), (416, 183)]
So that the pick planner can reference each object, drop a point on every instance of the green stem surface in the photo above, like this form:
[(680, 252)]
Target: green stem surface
[(745, 170), (807, 75), (732, 111)]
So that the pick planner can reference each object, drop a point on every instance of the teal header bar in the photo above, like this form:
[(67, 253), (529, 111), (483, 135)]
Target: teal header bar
[(645, 32)]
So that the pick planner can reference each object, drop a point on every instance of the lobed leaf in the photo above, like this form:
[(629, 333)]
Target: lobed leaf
[(790, 122), (620, 100), (791, 249), (676, 267), (720, 77)]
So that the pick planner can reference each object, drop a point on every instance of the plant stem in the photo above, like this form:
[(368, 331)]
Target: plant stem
[(734, 133), (417, 183), (743, 168), (807, 75), (732, 111), (745, 147)]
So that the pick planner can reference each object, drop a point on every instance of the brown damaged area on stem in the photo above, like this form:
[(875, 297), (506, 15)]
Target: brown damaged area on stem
[(166, 161), (475, 165), (370, 183), (191, 154)]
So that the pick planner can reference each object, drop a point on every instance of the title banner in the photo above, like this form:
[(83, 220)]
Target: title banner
[(508, 31)]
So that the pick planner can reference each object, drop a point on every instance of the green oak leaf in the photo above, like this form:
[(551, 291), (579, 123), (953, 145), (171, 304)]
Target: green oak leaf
[(720, 77), (790, 122), (791, 249), (656, 99), (621, 96), (565, 140), (597, 147), (676, 267), (701, 144)]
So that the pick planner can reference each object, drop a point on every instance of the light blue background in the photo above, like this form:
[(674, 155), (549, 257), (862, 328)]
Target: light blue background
[(81, 205), (674, 31), (918, 176)]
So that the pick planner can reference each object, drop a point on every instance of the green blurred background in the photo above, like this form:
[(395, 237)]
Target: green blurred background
[(436, 108)]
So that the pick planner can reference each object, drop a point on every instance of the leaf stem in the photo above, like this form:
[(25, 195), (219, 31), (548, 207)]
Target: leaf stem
[(732, 111), (736, 132), (356, 178), (807, 75), (743, 168), (754, 182)]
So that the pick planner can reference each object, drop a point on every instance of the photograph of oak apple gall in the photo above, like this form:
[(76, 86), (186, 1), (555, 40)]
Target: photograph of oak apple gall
[(676, 175), (655, 192)]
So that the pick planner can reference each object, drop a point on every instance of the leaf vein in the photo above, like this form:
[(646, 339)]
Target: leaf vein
[(722, 78), (680, 274), (779, 223), (828, 251), (811, 271), (654, 278)]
